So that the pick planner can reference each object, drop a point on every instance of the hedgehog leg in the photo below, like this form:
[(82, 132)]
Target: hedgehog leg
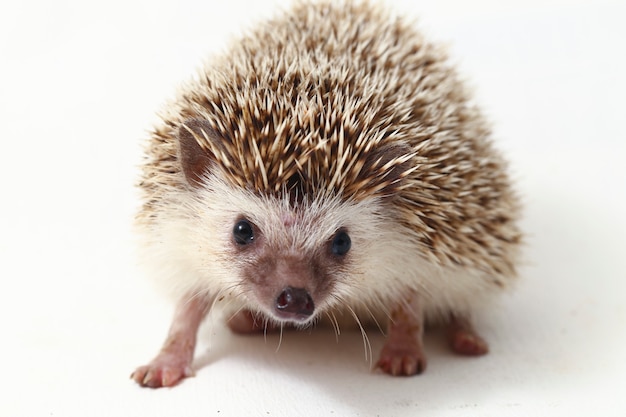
[(403, 353), (246, 322), (173, 363), (463, 339)]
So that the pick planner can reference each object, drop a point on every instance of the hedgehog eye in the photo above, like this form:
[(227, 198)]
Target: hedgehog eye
[(341, 243), (243, 233)]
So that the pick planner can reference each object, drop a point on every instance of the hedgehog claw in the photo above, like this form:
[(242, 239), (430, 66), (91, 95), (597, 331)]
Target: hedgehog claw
[(165, 370), (402, 360)]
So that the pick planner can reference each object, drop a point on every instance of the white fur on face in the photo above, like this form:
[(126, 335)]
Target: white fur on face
[(190, 247)]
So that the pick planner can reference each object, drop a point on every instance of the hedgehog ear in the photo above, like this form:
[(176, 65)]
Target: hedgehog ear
[(195, 159), (392, 178)]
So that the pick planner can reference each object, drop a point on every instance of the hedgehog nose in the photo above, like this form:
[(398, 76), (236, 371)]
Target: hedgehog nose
[(295, 304)]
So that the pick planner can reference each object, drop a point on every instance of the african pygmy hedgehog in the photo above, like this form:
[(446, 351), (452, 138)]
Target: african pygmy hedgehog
[(328, 166)]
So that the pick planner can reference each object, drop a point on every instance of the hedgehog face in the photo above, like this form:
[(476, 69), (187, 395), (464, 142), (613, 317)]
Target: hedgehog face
[(288, 239), (287, 277), (290, 260)]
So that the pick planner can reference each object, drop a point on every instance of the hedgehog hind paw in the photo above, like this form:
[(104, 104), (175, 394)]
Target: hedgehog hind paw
[(464, 340)]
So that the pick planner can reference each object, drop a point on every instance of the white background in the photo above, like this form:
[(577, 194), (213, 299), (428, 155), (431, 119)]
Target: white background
[(80, 83)]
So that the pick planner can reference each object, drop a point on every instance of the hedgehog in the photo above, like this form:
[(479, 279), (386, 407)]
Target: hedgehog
[(330, 167)]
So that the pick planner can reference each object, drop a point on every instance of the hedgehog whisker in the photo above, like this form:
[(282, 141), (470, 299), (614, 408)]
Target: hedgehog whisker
[(280, 338), (366, 341), (384, 309), (334, 323), (234, 314), (266, 321), (369, 311), (194, 296), (232, 299)]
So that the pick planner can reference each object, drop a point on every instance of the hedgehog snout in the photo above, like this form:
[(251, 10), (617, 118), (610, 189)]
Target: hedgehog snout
[(294, 304)]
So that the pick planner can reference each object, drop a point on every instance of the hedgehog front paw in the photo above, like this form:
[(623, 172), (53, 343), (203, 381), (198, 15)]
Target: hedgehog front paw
[(402, 360), (166, 370)]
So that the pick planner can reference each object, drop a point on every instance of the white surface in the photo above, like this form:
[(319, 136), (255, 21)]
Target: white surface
[(79, 85)]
